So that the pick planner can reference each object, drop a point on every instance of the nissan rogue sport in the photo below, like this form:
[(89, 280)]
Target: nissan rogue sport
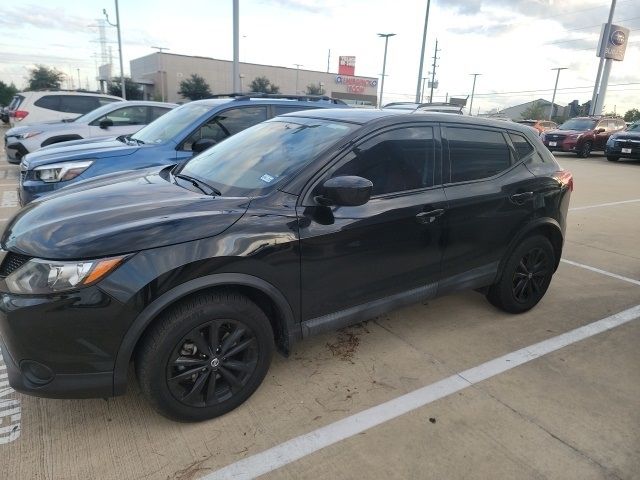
[(305, 223)]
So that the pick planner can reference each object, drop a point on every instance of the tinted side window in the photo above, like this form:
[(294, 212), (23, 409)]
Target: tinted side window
[(156, 112), (77, 104), (394, 161), (106, 100), (476, 154), (281, 110), (522, 146), (50, 102)]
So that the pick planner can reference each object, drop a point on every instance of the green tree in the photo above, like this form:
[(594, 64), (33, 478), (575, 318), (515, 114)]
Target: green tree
[(535, 111), (631, 115), (42, 77), (194, 88), (6, 93), (132, 89), (313, 89), (263, 85)]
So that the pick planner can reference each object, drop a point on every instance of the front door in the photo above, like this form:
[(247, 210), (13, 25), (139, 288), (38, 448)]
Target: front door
[(355, 255)]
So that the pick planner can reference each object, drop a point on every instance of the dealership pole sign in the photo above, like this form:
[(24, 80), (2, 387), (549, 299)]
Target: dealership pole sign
[(615, 44)]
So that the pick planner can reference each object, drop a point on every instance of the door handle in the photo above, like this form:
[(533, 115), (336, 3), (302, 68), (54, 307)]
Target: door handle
[(430, 216), (520, 198)]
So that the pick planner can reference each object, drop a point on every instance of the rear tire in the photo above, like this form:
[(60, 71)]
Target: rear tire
[(611, 158), (525, 277), (585, 150), (205, 356)]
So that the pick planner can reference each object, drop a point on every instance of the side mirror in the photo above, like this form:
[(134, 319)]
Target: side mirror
[(105, 123), (599, 130), (348, 191), (202, 144)]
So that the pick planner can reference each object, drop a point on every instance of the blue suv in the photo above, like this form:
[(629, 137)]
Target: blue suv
[(172, 138)]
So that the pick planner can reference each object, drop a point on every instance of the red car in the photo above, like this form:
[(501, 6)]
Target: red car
[(582, 135)]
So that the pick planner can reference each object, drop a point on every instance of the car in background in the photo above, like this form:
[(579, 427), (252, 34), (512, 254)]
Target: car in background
[(540, 125), (31, 107), (582, 135), (172, 138), (300, 225), (625, 144), (439, 107), (110, 120)]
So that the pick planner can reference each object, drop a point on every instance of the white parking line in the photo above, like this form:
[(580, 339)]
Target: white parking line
[(603, 272), (9, 199), (299, 447), (573, 209), (10, 412)]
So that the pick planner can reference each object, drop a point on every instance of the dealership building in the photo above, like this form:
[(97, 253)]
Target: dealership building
[(160, 75)]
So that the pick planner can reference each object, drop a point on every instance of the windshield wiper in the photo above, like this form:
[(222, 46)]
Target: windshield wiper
[(199, 184)]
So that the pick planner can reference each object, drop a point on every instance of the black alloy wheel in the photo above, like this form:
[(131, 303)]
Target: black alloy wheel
[(530, 275), (585, 150), (212, 363), (525, 276)]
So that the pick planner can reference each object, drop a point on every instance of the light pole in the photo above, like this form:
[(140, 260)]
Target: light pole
[(419, 93), (117, 25), (298, 65), (236, 46), (473, 91), (384, 63), (163, 76), (553, 99), (422, 92)]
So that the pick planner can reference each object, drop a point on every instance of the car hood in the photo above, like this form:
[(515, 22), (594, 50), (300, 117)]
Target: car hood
[(633, 135), (565, 132), (118, 214), (42, 127), (105, 148)]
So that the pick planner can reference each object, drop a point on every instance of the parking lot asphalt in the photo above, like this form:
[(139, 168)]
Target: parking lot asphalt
[(569, 413)]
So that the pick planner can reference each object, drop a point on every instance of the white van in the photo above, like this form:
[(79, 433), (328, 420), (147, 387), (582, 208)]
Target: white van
[(54, 105)]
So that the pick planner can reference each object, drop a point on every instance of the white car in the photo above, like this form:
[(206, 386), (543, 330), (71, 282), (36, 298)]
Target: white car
[(111, 120), (27, 108)]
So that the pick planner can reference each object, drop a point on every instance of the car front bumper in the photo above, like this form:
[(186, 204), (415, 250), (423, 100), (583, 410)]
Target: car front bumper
[(563, 146), (616, 151)]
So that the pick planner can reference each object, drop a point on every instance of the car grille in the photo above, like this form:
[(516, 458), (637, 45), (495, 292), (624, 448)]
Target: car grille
[(12, 262), (627, 143), (554, 137)]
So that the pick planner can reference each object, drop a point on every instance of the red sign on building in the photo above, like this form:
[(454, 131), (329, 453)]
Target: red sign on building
[(347, 66)]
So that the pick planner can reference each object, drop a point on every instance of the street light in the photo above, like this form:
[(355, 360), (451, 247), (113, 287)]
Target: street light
[(298, 65), (384, 62), (117, 25), (163, 78), (473, 90), (553, 99)]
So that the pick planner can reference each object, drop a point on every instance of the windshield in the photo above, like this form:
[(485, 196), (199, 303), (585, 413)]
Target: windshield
[(257, 159), (578, 124), (171, 123), (634, 127)]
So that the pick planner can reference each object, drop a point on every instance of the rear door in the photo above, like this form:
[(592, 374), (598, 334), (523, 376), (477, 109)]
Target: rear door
[(355, 255), (490, 193)]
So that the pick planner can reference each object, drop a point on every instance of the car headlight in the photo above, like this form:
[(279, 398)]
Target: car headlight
[(24, 136), (59, 172), (48, 276)]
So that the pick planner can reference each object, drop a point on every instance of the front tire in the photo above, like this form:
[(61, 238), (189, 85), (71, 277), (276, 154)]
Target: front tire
[(585, 150), (525, 277), (612, 158), (205, 356)]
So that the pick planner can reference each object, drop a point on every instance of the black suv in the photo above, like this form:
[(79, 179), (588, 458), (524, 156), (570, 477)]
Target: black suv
[(302, 224)]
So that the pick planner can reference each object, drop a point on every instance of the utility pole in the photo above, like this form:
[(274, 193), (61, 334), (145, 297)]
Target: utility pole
[(473, 91), (236, 46), (553, 99), (597, 90), (328, 60), (163, 76), (298, 65), (424, 41), (117, 25), (433, 72), (384, 63)]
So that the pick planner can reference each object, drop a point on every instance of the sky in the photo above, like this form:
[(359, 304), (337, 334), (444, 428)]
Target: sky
[(514, 44)]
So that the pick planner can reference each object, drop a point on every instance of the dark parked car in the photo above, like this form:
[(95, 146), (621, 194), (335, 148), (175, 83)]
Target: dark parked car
[(582, 135), (302, 224), (172, 138), (4, 115), (624, 144)]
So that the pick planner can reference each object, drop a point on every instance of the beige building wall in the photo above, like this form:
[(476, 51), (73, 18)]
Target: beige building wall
[(164, 70)]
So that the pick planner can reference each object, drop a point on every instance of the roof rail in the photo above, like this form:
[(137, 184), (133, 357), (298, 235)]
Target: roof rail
[(250, 95)]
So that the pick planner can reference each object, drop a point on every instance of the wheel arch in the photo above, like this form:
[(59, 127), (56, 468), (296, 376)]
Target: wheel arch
[(286, 330), (60, 138)]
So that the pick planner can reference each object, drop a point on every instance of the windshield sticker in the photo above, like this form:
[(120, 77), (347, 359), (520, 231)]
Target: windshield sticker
[(267, 178)]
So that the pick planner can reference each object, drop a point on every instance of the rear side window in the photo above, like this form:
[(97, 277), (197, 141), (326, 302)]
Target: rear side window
[(106, 100), (521, 145), (77, 104), (475, 154), (50, 102), (394, 161)]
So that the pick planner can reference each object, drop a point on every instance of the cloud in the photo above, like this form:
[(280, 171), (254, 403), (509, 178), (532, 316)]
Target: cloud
[(306, 6), (40, 17)]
